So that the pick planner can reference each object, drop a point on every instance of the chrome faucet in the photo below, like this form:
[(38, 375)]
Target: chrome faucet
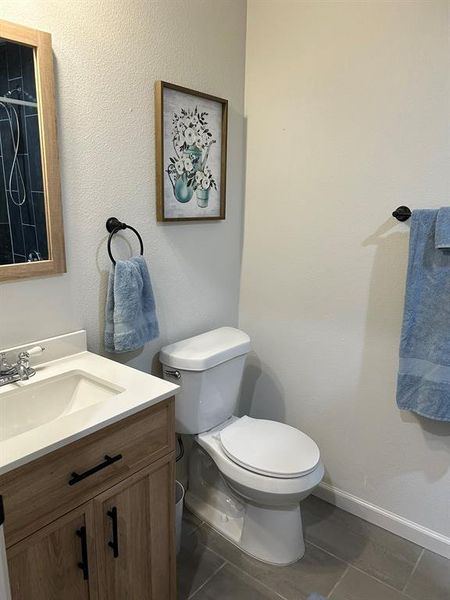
[(20, 370)]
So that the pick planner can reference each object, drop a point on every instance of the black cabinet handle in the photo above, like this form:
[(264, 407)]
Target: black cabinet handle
[(83, 565), (109, 460), (114, 544)]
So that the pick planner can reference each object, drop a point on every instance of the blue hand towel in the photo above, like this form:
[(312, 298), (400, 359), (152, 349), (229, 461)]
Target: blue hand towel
[(442, 238), (315, 597), (130, 319), (423, 384)]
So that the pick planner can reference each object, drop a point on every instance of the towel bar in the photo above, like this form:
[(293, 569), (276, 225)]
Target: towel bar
[(402, 213)]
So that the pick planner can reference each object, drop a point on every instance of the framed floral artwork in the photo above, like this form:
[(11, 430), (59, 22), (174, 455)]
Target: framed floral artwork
[(191, 154)]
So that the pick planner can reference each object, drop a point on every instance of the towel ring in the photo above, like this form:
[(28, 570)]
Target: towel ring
[(113, 225)]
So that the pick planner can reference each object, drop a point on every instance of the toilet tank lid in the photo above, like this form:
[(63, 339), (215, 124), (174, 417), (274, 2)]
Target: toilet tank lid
[(207, 350)]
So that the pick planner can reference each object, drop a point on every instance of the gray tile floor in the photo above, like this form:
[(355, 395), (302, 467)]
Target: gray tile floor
[(346, 559)]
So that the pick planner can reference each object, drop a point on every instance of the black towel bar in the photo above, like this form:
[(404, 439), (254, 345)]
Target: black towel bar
[(113, 225), (402, 213)]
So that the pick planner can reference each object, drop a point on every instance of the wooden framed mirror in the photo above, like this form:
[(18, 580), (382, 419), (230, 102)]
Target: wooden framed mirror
[(31, 226)]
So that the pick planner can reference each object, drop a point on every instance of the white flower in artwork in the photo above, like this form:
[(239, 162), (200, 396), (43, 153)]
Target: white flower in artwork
[(198, 177), (195, 120), (188, 164), (179, 166), (190, 136), (205, 139), (205, 183), (198, 141)]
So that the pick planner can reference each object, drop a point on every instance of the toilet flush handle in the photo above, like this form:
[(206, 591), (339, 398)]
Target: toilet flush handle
[(172, 373)]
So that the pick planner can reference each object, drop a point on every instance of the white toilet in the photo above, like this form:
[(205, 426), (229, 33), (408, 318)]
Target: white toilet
[(246, 476)]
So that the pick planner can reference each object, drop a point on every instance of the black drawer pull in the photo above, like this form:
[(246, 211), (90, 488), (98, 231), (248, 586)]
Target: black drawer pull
[(81, 533), (108, 461), (114, 544)]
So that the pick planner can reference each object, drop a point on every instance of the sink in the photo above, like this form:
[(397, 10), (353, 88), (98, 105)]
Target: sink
[(73, 394), (34, 404)]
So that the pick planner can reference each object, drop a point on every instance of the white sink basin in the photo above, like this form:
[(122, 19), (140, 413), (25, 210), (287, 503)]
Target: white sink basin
[(73, 394), (36, 404)]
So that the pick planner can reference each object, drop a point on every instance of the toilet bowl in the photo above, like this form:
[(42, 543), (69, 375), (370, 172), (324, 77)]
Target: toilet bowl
[(247, 476), (259, 512)]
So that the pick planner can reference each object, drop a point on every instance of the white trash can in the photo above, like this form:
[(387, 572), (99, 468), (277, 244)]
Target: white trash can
[(179, 501)]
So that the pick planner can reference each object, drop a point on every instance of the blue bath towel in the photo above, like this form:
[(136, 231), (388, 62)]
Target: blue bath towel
[(442, 238), (423, 384), (130, 316)]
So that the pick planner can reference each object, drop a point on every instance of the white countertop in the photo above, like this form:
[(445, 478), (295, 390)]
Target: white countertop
[(141, 390)]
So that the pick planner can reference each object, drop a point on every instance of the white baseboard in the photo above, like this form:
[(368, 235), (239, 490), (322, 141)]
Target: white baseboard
[(429, 539)]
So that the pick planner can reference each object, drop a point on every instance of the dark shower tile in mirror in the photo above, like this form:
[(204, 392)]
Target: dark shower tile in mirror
[(3, 204), (8, 120), (14, 62), (16, 228), (34, 153), (5, 137), (20, 112), (41, 227), (31, 245), (27, 208), (3, 72), (29, 81), (19, 258), (6, 255), (3, 112)]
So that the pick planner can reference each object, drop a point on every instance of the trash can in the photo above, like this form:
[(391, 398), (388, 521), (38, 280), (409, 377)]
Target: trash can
[(179, 500)]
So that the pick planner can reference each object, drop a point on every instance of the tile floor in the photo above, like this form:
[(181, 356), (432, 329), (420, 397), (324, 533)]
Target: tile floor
[(346, 559)]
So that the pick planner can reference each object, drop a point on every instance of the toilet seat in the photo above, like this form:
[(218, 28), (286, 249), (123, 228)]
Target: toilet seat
[(256, 484), (269, 448)]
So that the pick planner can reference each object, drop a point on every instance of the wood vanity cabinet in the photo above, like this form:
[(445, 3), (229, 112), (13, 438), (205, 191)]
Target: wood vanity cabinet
[(105, 529)]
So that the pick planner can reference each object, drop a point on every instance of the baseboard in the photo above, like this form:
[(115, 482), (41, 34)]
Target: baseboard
[(429, 539)]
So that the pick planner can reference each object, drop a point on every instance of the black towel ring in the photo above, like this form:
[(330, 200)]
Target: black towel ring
[(113, 225)]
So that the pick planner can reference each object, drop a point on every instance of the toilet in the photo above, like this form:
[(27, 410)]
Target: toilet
[(246, 476)]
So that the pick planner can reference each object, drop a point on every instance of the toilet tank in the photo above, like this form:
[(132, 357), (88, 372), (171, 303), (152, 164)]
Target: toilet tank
[(209, 368)]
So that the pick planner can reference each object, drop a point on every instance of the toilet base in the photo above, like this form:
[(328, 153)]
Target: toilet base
[(274, 536)]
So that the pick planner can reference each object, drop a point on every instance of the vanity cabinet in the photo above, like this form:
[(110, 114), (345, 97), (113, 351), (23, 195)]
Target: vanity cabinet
[(45, 565), (96, 519), (133, 545)]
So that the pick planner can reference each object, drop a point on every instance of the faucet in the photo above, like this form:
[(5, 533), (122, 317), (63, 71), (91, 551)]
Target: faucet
[(20, 370)]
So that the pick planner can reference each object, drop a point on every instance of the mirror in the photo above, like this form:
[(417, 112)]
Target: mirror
[(31, 231)]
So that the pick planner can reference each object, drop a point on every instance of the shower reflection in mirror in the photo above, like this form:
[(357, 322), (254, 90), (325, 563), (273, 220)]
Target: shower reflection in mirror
[(23, 230)]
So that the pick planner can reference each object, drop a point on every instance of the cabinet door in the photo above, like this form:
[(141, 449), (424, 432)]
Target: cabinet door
[(56, 562), (135, 536)]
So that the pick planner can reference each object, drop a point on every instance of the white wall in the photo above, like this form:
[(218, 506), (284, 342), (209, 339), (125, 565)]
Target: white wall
[(108, 55), (348, 112)]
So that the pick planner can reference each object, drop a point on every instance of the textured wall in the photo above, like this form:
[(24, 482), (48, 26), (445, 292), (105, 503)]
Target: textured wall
[(108, 55), (348, 113)]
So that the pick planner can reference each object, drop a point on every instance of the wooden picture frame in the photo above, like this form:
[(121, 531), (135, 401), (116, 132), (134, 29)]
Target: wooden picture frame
[(45, 96), (191, 154)]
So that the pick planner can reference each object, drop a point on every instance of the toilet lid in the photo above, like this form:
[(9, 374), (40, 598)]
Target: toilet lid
[(269, 448)]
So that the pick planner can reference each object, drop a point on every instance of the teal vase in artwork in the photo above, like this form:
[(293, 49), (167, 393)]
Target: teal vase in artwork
[(195, 154), (202, 197), (183, 192)]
